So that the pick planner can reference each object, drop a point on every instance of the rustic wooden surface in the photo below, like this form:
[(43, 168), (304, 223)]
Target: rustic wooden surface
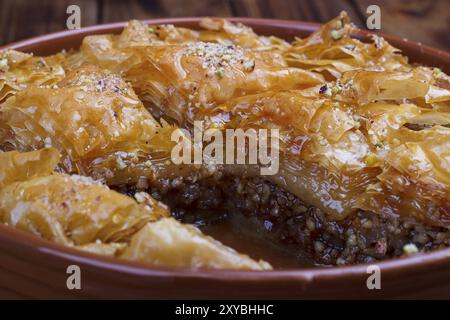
[(425, 21)]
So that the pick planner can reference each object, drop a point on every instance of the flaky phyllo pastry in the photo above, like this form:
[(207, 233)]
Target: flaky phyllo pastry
[(364, 169), (78, 211)]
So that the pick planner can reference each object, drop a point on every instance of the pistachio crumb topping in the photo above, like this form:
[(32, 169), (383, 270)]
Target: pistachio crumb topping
[(336, 34), (217, 57), (140, 197), (410, 248), (437, 72), (219, 73), (4, 64)]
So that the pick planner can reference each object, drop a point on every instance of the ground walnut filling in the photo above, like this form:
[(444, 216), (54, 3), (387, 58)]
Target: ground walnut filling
[(262, 210), (359, 151)]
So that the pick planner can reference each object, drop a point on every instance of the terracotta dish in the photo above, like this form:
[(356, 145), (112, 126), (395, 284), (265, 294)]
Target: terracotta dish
[(31, 267)]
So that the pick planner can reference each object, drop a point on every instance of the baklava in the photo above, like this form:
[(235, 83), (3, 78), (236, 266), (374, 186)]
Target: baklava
[(364, 152)]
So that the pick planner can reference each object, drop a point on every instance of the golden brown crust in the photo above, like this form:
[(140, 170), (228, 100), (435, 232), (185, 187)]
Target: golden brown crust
[(93, 116), (21, 70), (174, 78), (187, 247), (80, 212), (17, 166), (71, 210)]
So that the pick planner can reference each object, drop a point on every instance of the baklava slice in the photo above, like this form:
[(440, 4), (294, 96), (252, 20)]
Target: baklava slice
[(364, 166), (79, 212), (334, 49), (174, 79), (94, 119), (20, 70)]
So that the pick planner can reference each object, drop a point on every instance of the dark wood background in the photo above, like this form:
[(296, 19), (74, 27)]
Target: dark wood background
[(425, 21)]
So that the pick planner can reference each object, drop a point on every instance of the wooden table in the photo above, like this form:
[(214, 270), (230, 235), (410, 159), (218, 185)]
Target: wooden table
[(425, 21)]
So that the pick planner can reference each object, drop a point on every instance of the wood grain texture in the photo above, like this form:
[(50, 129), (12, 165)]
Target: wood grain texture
[(21, 19), (117, 10), (425, 21), (304, 10)]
